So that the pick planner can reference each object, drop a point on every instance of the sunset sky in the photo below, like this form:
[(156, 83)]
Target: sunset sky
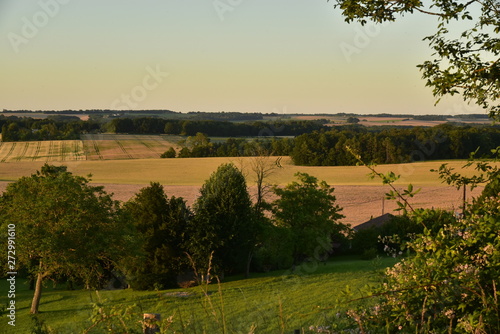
[(285, 56)]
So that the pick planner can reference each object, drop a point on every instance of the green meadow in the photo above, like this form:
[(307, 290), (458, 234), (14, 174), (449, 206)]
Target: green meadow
[(316, 294)]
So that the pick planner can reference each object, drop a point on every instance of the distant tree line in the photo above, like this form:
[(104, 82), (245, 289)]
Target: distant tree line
[(393, 145), (226, 116), (56, 128), (149, 125), (201, 146), (88, 111)]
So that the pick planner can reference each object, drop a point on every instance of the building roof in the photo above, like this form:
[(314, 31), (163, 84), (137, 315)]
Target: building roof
[(374, 222)]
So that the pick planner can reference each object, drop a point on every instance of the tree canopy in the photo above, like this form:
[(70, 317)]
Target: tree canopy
[(161, 222), (308, 209), (64, 226), (224, 221), (466, 55)]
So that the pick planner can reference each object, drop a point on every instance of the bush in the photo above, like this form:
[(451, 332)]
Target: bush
[(450, 281), (369, 254), (170, 153), (276, 250)]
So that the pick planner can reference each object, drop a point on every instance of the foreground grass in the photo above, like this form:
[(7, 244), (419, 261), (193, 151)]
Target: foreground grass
[(270, 302)]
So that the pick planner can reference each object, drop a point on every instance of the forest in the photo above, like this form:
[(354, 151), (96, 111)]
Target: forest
[(393, 145)]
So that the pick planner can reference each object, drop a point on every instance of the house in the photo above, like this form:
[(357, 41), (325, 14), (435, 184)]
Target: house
[(374, 222)]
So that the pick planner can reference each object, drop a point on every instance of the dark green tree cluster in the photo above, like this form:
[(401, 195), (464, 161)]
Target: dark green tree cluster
[(29, 129), (67, 229), (150, 125), (448, 282), (224, 225), (393, 145), (63, 227), (139, 125), (225, 116), (200, 146), (315, 220), (161, 224)]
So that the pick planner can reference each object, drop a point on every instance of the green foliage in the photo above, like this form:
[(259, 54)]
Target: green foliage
[(224, 222), (449, 283), (234, 147), (307, 208), (28, 129), (64, 226), (275, 251), (393, 145), (38, 326), (312, 299), (161, 223), (465, 44), (170, 153)]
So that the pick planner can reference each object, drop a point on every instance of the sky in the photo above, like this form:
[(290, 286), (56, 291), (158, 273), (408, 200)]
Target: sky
[(282, 56)]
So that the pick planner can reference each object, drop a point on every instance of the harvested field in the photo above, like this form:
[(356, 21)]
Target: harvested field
[(117, 147), (359, 203), (360, 196), (194, 171), (45, 151)]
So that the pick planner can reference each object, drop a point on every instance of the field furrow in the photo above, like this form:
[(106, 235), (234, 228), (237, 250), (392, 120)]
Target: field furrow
[(145, 142), (23, 151), (91, 147), (62, 150), (12, 147), (47, 151), (122, 148), (96, 149), (37, 151)]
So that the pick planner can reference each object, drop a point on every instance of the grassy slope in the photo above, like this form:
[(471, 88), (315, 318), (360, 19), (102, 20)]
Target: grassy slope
[(306, 299), (195, 171)]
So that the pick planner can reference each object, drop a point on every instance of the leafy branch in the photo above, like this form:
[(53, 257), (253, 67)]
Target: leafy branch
[(389, 178)]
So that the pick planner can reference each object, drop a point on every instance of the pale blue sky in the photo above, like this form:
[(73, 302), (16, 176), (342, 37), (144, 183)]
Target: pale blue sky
[(285, 56)]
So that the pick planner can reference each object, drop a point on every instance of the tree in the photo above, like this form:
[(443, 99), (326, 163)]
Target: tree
[(352, 120), (263, 165), (64, 226), (466, 61), (224, 223), (450, 283), (170, 153), (162, 223), (308, 209)]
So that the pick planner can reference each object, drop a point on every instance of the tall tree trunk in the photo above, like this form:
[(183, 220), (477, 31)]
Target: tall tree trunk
[(38, 294), (249, 261)]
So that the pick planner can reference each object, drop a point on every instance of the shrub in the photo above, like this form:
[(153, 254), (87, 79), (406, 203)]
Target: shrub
[(450, 281), (170, 153)]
